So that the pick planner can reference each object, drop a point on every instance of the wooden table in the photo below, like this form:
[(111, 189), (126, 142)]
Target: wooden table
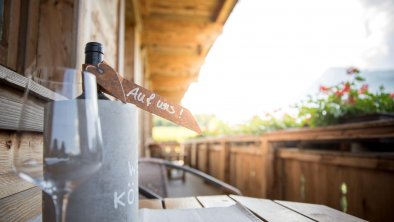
[(266, 210)]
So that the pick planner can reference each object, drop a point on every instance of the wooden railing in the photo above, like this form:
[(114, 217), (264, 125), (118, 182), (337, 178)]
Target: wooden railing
[(349, 167)]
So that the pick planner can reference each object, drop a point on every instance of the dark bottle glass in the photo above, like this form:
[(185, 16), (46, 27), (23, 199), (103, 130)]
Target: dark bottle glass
[(94, 54)]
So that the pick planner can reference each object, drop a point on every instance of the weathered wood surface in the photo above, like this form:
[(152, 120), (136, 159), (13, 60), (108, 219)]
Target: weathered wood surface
[(21, 206), (181, 203), (56, 34), (277, 170), (44, 33), (319, 212), (360, 184), (266, 210), (202, 157), (151, 204), (246, 170), (269, 210), (215, 201), (364, 130), (10, 183), (374, 161)]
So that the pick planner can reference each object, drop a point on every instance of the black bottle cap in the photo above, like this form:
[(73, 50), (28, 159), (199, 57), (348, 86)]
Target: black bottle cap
[(94, 53)]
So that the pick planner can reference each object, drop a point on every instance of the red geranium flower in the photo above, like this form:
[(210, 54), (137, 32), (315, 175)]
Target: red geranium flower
[(363, 89), (339, 93), (392, 95), (324, 88), (346, 88)]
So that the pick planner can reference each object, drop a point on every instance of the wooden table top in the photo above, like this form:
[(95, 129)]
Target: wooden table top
[(266, 210)]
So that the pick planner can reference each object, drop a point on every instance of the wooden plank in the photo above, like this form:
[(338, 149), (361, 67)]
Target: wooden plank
[(121, 35), (246, 172), (181, 203), (366, 130), (11, 103), (369, 161), (319, 212), (14, 33), (129, 56), (32, 36), (150, 204), (216, 201), (22, 206), (10, 183), (269, 210), (17, 81), (223, 10), (166, 63), (158, 25), (56, 36)]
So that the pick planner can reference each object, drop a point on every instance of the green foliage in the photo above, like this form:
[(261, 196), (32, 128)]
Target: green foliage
[(352, 98), (329, 106)]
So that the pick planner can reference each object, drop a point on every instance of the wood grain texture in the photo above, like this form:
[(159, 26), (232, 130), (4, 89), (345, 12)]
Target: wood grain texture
[(319, 212), (376, 161), (215, 201), (364, 130), (11, 106), (30, 57), (269, 210), (246, 170), (368, 189), (150, 204), (21, 206), (217, 162), (181, 203), (177, 36), (202, 157), (13, 34), (10, 183), (56, 34)]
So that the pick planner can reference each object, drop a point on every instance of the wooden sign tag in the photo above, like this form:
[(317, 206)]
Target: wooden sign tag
[(126, 91)]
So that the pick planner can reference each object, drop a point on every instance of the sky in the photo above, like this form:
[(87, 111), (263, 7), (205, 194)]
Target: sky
[(271, 52)]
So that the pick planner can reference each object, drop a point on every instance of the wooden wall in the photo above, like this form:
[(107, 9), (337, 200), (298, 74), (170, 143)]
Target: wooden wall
[(102, 21), (47, 33)]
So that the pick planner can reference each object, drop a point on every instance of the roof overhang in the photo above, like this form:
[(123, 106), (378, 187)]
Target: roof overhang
[(176, 36)]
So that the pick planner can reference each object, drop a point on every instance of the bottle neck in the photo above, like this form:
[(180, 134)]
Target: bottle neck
[(94, 56)]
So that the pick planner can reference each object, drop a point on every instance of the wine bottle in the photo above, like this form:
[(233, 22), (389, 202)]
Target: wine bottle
[(94, 54)]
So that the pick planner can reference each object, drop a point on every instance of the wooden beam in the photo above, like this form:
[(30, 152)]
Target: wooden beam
[(164, 63), (223, 11), (158, 24), (174, 49), (173, 74), (170, 88), (177, 38), (174, 96), (171, 81)]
